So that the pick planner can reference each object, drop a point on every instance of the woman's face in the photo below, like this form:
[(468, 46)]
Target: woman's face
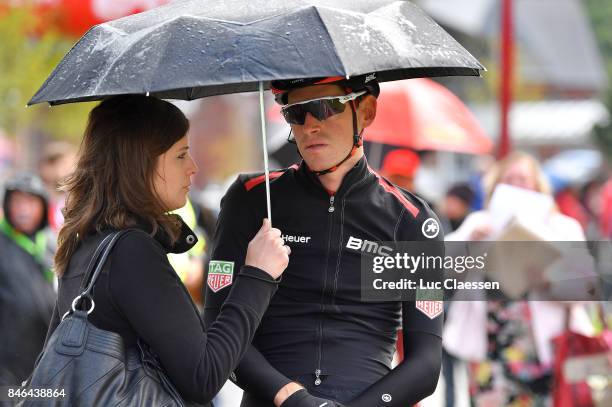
[(173, 173), (520, 174)]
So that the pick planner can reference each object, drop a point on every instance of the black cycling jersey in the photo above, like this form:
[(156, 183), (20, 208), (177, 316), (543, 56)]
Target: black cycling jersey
[(316, 323)]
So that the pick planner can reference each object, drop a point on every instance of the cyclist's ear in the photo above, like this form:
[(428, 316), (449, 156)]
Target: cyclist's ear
[(366, 110)]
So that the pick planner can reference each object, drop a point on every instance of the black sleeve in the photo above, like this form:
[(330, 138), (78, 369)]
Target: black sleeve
[(416, 376), (145, 289), (236, 226), (413, 319), (412, 380)]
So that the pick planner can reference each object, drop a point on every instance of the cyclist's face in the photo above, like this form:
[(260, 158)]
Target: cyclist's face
[(323, 144)]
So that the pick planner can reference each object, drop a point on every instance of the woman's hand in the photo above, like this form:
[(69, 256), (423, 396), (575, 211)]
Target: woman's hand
[(267, 251), (481, 232)]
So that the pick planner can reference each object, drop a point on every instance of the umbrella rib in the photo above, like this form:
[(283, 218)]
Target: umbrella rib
[(143, 36), (57, 69), (331, 40)]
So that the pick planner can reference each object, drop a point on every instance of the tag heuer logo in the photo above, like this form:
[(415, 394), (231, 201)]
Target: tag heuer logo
[(220, 274), (430, 308)]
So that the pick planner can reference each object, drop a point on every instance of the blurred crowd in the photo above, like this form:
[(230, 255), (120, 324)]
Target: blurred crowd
[(515, 354)]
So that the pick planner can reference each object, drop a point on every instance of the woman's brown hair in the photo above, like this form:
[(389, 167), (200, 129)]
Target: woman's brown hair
[(112, 185)]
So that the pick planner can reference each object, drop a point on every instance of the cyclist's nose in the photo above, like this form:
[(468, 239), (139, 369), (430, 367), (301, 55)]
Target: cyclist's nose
[(311, 124)]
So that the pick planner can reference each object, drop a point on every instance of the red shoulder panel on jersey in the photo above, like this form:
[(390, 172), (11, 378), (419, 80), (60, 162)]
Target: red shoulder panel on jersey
[(253, 182), (392, 189)]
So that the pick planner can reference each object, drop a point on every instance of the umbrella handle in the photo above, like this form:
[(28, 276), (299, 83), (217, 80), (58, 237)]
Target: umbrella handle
[(262, 111)]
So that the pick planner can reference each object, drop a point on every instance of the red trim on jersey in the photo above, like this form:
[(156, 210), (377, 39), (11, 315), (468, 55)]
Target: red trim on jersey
[(253, 182), (392, 189)]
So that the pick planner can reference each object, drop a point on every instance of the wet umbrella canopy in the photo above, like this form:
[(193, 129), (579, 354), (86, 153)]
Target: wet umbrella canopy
[(195, 48)]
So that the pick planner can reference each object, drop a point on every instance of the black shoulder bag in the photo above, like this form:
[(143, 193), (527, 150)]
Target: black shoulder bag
[(92, 366)]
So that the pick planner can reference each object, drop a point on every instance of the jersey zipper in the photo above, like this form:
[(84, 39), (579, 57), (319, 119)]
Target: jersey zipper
[(341, 242), (317, 372), (331, 204)]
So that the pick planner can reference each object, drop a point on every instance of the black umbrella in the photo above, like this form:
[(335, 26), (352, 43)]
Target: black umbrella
[(194, 48)]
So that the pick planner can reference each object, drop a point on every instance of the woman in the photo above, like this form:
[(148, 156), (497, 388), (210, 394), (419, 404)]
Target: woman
[(133, 168), (510, 341)]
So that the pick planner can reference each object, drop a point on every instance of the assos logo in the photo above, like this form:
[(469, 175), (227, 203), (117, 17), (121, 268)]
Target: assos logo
[(367, 246), (430, 228)]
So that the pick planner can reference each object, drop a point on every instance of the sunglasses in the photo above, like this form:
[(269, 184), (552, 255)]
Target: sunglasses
[(320, 108)]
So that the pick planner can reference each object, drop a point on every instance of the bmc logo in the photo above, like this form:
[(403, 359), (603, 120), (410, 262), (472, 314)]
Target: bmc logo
[(368, 247)]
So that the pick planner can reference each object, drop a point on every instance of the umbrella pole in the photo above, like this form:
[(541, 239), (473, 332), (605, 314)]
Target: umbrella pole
[(262, 111)]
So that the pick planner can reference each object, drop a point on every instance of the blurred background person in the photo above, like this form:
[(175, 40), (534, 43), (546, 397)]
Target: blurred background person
[(512, 365), (26, 282), (456, 206), (400, 167), (591, 199), (57, 162), (569, 204), (606, 210), (190, 265)]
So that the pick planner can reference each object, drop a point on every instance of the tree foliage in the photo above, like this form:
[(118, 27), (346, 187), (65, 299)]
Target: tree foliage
[(28, 56)]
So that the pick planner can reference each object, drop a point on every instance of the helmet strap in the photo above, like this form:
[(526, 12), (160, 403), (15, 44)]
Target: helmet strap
[(357, 142)]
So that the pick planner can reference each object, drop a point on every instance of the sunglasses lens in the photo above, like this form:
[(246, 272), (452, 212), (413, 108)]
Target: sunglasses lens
[(321, 109), (294, 114)]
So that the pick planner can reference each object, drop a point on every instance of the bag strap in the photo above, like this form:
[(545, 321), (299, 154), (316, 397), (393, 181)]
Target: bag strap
[(100, 265), (94, 260), (96, 264)]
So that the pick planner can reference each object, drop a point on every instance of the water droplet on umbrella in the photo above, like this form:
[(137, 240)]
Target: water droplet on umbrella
[(288, 33)]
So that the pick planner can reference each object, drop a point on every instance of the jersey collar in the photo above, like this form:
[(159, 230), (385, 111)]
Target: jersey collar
[(356, 174)]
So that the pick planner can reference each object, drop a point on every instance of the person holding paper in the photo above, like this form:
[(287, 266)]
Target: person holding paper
[(514, 354)]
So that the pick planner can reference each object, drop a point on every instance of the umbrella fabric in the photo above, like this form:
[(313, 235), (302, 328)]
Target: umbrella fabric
[(423, 115), (194, 48)]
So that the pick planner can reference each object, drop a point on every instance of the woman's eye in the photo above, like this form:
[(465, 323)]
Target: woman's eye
[(182, 156)]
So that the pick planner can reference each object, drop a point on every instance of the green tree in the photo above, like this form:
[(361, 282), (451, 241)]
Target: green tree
[(600, 13), (28, 56)]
